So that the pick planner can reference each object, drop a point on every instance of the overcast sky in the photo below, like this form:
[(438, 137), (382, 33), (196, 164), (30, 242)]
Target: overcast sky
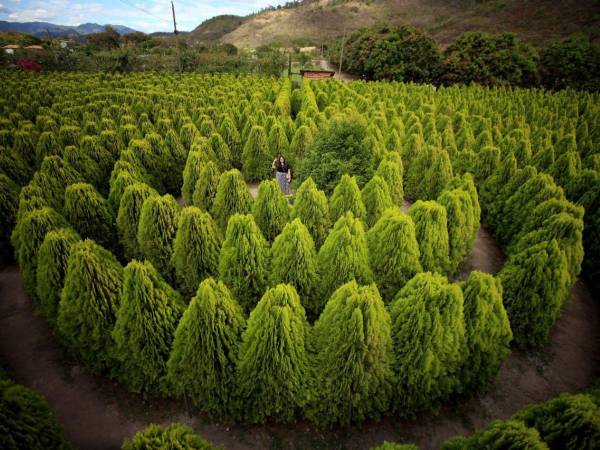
[(147, 16)]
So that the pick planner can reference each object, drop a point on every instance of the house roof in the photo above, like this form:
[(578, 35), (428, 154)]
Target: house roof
[(11, 46), (34, 47)]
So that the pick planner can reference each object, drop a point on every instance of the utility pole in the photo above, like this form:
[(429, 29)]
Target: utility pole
[(179, 65), (342, 51), (289, 64)]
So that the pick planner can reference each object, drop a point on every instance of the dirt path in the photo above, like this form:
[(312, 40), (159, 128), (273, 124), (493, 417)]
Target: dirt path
[(98, 414), (343, 76)]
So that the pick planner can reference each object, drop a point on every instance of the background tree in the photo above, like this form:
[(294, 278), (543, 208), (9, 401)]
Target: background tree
[(270, 209), (393, 252), (347, 197), (203, 361), (376, 198), (312, 208), (274, 384), (431, 227), (196, 249), (89, 302), (243, 262), (352, 357), (257, 157), (232, 198), (142, 337)]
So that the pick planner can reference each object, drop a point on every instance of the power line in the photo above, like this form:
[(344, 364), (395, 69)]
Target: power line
[(144, 11)]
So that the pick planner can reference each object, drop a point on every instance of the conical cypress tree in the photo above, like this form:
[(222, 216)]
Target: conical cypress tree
[(47, 145), (193, 166), (221, 151), (500, 434), (294, 262), (312, 208), (438, 174), (243, 262), (376, 197), (90, 214), (203, 361), (487, 330), (26, 238), (9, 202), (467, 184), (206, 186), (347, 197), (393, 252), (428, 331), (274, 384), (352, 357), (172, 436), (54, 176), (257, 157), (344, 256), (24, 145), (270, 209), (196, 249), (123, 175), (278, 141), (232, 198), (302, 139), (231, 135), (145, 325), (84, 165), (89, 302), (431, 226), (459, 212), (392, 173), (156, 230), (53, 257), (535, 283)]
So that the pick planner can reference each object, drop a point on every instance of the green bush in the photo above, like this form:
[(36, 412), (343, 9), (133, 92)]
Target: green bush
[(232, 197), (143, 338), (257, 157), (428, 332), (174, 436), (89, 302), (352, 357), (431, 227), (393, 252), (270, 209), (312, 208), (204, 357), (195, 250), (347, 197), (243, 262), (274, 384)]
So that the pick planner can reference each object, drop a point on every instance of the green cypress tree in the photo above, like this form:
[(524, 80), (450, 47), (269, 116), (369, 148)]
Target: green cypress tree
[(9, 202), (53, 257), (500, 434), (257, 157), (393, 252), (156, 230), (392, 172), (123, 175), (467, 184), (104, 159), (128, 217), (173, 436), (196, 249), (535, 283), (243, 262), (437, 175), (14, 166), (26, 238), (90, 214), (142, 336), (89, 302), (459, 212), (231, 135), (193, 166), (206, 186), (352, 357), (24, 145), (274, 384), (47, 145), (344, 256), (270, 209), (488, 160), (84, 165), (232, 197), (278, 141), (347, 197), (203, 361), (487, 330), (54, 176), (376, 197), (221, 151), (431, 226), (312, 208), (301, 141), (294, 262), (428, 331)]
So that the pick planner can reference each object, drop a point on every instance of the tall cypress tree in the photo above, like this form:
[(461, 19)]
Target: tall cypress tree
[(156, 231), (128, 217), (376, 197), (467, 184), (193, 166), (499, 434), (221, 151), (274, 384), (257, 157), (204, 357), (294, 262), (206, 186), (90, 214), (196, 249), (243, 262), (393, 252), (392, 172), (312, 208), (487, 330), (53, 258), (89, 302), (301, 140), (143, 337), (9, 202), (232, 198), (347, 197), (270, 210), (47, 145), (231, 135), (278, 141), (431, 226), (428, 331), (352, 357), (459, 211), (26, 238), (84, 165), (344, 256)]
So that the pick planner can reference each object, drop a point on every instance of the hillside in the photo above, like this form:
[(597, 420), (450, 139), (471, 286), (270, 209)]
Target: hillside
[(214, 28), (41, 29), (536, 21)]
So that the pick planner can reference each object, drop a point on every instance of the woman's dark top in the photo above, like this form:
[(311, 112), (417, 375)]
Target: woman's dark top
[(282, 167)]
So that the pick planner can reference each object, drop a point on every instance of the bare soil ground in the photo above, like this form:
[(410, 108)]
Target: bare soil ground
[(98, 414)]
